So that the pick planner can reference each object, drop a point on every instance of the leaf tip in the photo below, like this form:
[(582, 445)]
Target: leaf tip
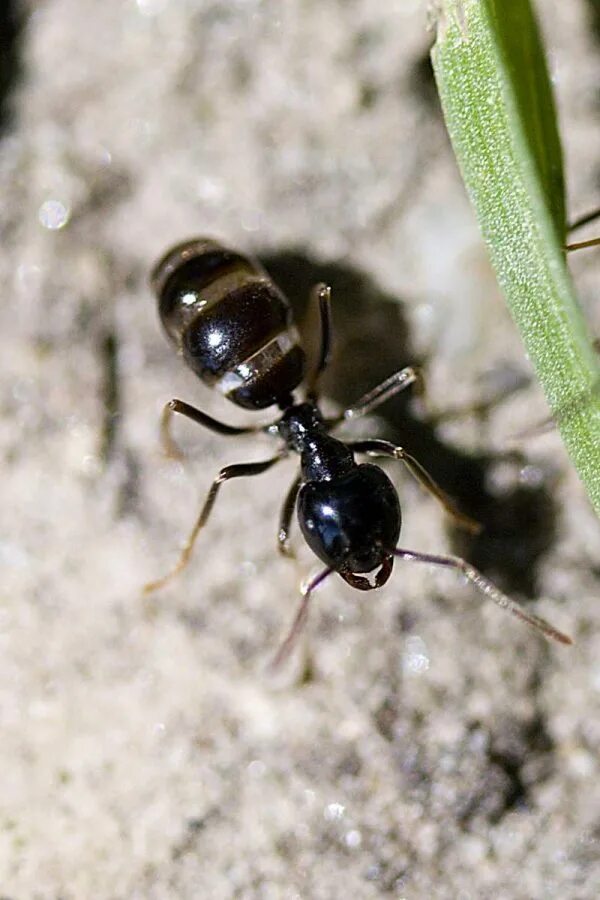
[(446, 15)]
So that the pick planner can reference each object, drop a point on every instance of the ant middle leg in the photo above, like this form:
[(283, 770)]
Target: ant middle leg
[(285, 519), (376, 447), (239, 470), (170, 448)]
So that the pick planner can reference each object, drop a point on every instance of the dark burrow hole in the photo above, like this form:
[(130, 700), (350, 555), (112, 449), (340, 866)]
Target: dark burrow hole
[(503, 786), (372, 340)]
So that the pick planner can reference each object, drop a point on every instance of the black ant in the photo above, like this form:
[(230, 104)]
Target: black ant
[(234, 328)]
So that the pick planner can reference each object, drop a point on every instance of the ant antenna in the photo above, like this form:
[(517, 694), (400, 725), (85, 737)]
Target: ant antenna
[(299, 620), (579, 223), (488, 589), (581, 245)]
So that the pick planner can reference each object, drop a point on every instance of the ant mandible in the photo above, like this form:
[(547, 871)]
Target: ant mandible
[(235, 330)]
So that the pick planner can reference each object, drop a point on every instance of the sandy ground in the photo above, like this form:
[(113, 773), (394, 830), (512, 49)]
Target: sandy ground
[(420, 744)]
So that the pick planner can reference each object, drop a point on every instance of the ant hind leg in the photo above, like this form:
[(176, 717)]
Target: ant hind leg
[(384, 391), (322, 294)]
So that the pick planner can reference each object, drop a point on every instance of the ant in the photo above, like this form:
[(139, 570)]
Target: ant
[(234, 329)]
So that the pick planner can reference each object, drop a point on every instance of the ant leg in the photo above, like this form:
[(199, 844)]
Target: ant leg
[(321, 293), (170, 448), (299, 619), (384, 391), (235, 471), (488, 589), (376, 447), (285, 520)]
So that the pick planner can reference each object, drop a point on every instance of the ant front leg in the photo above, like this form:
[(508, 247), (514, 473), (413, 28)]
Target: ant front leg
[(285, 519), (376, 447), (236, 471), (170, 448)]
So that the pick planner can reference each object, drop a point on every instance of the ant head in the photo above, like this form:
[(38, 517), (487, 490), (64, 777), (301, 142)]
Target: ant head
[(352, 523)]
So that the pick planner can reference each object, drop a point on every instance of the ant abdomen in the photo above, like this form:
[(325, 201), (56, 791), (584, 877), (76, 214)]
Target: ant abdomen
[(229, 321)]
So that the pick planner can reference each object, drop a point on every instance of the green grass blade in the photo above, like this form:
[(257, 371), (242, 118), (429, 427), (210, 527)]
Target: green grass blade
[(497, 102)]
